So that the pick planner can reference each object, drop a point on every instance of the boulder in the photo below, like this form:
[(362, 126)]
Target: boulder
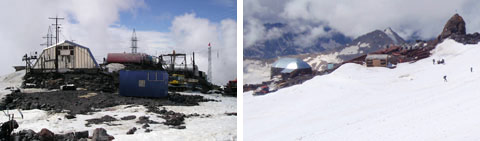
[(131, 131), (100, 134), (46, 135), (456, 25)]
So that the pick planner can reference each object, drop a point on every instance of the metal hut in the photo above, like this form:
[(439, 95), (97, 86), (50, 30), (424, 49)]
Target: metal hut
[(65, 56), (290, 67)]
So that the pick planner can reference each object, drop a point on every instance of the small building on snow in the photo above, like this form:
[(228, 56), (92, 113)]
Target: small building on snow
[(378, 60), (65, 56), (290, 67)]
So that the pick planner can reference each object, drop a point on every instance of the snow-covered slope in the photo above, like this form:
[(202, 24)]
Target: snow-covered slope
[(10, 80), (411, 102)]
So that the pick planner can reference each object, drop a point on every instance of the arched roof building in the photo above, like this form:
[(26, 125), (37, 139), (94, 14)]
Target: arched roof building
[(290, 67)]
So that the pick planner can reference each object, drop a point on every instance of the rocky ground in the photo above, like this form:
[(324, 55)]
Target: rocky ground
[(70, 104), (83, 102)]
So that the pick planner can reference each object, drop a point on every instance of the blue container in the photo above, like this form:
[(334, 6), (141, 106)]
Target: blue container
[(143, 83), (329, 66)]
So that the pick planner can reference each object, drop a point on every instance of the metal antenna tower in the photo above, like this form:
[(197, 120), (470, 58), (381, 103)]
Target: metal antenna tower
[(49, 38), (209, 77), (57, 27), (134, 42)]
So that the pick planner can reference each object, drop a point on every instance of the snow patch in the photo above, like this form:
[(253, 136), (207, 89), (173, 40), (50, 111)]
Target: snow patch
[(349, 50), (10, 80)]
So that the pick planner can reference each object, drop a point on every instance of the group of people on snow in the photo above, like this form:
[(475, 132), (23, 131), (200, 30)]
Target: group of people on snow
[(443, 62)]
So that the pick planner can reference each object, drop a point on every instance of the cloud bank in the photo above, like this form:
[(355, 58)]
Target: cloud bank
[(410, 18)]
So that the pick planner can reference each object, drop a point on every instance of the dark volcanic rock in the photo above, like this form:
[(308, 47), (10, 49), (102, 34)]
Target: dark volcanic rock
[(70, 116), (145, 119), (173, 118), (46, 135), (131, 131), (81, 134), (456, 25), (100, 134), (76, 103), (25, 135), (145, 126), (455, 29), (101, 120), (128, 117), (148, 130), (179, 127)]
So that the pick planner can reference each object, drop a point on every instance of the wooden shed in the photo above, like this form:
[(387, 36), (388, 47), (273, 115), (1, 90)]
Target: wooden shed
[(65, 56), (378, 60)]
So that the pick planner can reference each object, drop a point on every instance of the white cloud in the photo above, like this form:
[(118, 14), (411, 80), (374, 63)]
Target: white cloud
[(192, 34), (425, 18), (95, 24)]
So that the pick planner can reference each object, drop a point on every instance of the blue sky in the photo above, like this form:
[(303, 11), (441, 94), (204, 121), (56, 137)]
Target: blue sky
[(158, 14)]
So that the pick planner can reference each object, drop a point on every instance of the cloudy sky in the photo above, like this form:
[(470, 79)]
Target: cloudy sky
[(422, 19), (106, 26)]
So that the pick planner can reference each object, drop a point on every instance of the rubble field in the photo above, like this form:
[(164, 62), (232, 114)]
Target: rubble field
[(84, 102)]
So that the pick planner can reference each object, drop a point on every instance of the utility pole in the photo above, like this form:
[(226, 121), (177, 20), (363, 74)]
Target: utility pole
[(56, 27), (134, 42), (56, 37), (209, 77)]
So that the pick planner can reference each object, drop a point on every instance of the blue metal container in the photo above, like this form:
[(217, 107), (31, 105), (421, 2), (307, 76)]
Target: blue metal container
[(329, 66), (143, 83)]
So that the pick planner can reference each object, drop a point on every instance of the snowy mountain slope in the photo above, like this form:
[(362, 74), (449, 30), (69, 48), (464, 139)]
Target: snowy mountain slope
[(10, 80), (394, 36), (411, 102)]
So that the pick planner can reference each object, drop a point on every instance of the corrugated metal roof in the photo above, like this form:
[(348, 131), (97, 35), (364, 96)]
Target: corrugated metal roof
[(74, 44), (290, 64), (377, 56)]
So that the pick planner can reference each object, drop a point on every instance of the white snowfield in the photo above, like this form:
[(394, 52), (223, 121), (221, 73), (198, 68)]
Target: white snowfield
[(218, 126), (411, 102), (10, 80)]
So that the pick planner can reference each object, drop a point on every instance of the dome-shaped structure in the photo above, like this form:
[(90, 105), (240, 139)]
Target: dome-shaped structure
[(291, 67)]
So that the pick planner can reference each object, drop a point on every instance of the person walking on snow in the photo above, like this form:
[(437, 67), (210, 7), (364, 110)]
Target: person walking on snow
[(434, 61), (471, 69), (445, 78)]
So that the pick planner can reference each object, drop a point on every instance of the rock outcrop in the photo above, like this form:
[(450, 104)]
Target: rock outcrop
[(455, 29), (456, 25)]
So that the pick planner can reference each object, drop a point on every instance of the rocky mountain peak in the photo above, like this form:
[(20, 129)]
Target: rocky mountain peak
[(456, 25), (394, 36)]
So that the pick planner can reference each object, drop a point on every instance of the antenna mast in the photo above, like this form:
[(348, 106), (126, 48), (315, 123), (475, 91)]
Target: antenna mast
[(57, 27), (49, 38), (134, 42), (209, 77)]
